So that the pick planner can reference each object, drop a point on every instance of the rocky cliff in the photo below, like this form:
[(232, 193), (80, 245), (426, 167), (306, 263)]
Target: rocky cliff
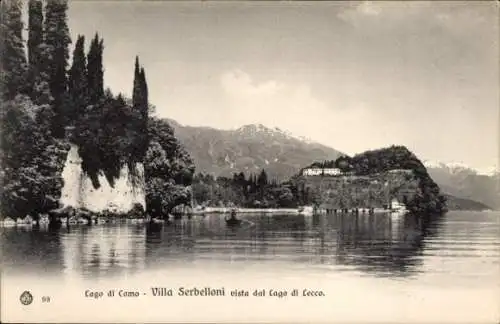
[(79, 192)]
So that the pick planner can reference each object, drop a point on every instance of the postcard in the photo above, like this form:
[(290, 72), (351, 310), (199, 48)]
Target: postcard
[(249, 162)]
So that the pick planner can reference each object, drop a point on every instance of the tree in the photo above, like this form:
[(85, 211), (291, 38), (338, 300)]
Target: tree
[(95, 76), (13, 58), (57, 38), (40, 83), (35, 32), (144, 106), (262, 180), (140, 106), (77, 82), (285, 197), (32, 160), (144, 94), (35, 42), (137, 90), (168, 169)]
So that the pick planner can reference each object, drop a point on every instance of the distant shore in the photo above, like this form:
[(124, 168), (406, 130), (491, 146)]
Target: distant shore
[(292, 211), (226, 210)]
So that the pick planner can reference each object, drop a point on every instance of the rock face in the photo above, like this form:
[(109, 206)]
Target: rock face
[(78, 191)]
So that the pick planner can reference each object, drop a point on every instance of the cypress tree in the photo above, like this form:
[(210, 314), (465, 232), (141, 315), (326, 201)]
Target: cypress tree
[(40, 92), (144, 111), (99, 68), (95, 76), (35, 33), (120, 100), (136, 92), (12, 55), (262, 180), (140, 106), (144, 94), (57, 39), (35, 48), (77, 82)]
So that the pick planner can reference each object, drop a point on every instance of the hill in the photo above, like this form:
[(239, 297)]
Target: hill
[(374, 176), (249, 149)]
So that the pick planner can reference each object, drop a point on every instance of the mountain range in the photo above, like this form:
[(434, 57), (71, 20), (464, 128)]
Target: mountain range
[(250, 149), (254, 147), (464, 182)]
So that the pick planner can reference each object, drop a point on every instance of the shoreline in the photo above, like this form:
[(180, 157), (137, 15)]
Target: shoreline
[(115, 219), (103, 220)]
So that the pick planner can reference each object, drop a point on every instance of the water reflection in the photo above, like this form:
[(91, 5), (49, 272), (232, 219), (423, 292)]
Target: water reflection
[(374, 244), (104, 250), (382, 245), (32, 251)]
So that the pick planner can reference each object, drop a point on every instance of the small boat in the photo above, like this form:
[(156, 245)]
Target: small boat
[(73, 221), (232, 221)]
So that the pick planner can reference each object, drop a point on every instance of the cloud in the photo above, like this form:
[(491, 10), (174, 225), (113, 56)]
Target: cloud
[(294, 107), (363, 10), (239, 83), (368, 8)]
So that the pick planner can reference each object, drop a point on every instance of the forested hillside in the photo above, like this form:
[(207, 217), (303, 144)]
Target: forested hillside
[(426, 198)]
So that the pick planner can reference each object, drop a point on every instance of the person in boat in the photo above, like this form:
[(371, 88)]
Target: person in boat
[(232, 219)]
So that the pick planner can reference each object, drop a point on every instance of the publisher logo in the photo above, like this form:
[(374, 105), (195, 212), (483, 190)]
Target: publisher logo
[(26, 298)]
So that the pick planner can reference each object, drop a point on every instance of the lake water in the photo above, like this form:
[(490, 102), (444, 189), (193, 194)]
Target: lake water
[(371, 268)]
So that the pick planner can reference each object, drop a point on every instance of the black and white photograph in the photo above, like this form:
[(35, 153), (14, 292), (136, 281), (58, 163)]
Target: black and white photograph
[(249, 161)]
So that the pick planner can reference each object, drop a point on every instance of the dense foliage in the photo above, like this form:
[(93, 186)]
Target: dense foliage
[(46, 103), (32, 160), (13, 70), (254, 191), (57, 40), (168, 169)]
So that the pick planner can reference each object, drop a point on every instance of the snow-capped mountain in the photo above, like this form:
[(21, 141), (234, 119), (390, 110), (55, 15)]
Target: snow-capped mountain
[(261, 130), (249, 149), (460, 180), (455, 167), (490, 171)]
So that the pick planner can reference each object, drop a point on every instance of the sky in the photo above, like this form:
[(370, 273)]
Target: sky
[(351, 75)]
